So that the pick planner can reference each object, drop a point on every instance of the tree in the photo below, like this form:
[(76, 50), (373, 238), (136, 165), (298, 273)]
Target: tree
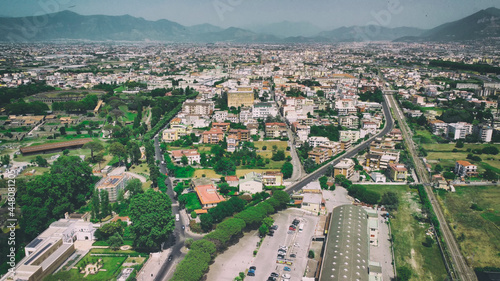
[(5, 160), (438, 169), (152, 219), (459, 144), (41, 162), (62, 130), (309, 165), (134, 152), (96, 207), (264, 147), (115, 241), (449, 175), (184, 160), (66, 152), (323, 182), (282, 197), (390, 200), (310, 254), (134, 186), (109, 229), (287, 170), (490, 150), (404, 273), (278, 156), (105, 206), (268, 221), (225, 166), (206, 222), (263, 229), (117, 149), (490, 175)]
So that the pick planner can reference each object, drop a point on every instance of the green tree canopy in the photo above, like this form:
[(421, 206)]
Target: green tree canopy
[(152, 219)]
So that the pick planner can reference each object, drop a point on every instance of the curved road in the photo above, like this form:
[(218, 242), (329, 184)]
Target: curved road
[(389, 125)]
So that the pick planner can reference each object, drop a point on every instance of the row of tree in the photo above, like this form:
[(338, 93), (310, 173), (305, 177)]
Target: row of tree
[(201, 253)]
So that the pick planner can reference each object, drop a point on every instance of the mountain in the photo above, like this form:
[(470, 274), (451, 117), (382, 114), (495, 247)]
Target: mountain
[(485, 23), (369, 33), (286, 29)]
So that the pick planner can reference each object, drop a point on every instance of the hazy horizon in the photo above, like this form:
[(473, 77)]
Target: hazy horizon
[(325, 14)]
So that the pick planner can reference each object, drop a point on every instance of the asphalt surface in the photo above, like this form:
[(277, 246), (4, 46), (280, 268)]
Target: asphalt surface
[(389, 125), (176, 240), (459, 270)]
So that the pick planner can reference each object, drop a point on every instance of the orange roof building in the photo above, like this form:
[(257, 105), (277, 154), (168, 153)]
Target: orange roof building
[(208, 195)]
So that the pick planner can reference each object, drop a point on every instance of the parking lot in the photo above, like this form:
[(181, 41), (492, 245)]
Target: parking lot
[(239, 258)]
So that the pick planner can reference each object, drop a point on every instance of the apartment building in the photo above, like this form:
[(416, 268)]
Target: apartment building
[(397, 172), (203, 108), (317, 141), (192, 155), (344, 167), (223, 126), (240, 99), (319, 155), (113, 185), (241, 134), (352, 135), (465, 169), (439, 127), (459, 130), (350, 121), (214, 136), (276, 130), (263, 109), (270, 178), (232, 143)]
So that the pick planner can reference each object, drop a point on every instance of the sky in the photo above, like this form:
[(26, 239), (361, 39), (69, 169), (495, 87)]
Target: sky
[(326, 14)]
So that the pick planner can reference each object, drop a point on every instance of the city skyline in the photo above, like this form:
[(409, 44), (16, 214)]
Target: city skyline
[(240, 13)]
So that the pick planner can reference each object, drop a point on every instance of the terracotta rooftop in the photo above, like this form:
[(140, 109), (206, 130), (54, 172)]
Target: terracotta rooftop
[(208, 194)]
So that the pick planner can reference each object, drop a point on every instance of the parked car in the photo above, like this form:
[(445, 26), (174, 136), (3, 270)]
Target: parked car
[(286, 268), (286, 275), (281, 257), (275, 227), (293, 256), (270, 278), (253, 268), (274, 274)]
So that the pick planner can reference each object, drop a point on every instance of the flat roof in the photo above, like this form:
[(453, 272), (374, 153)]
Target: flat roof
[(347, 247), (51, 146), (208, 194)]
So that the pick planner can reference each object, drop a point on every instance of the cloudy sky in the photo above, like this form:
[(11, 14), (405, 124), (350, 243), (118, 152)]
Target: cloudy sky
[(326, 14)]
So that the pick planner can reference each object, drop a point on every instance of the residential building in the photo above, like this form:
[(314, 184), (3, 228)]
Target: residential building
[(113, 185), (170, 135), (246, 114), (344, 167), (203, 108), (312, 187), (214, 136), (419, 100), (485, 132), (233, 181), (345, 143), (345, 107), (241, 134), (352, 135), (319, 155), (208, 195), (439, 127), (240, 99), (270, 178), (232, 143), (317, 141), (252, 183), (263, 109), (223, 126), (276, 130), (234, 118), (192, 155), (220, 116), (350, 121), (378, 177), (459, 130), (397, 172), (465, 169)]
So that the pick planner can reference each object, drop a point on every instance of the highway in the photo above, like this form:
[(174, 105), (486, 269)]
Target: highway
[(389, 125), (460, 269)]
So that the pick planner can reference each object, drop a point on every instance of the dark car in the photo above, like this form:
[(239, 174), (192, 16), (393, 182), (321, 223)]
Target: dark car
[(275, 227), (270, 278), (170, 258), (253, 268), (295, 222), (281, 257), (293, 255), (274, 274)]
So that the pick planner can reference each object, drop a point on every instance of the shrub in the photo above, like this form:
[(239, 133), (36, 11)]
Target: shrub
[(311, 254)]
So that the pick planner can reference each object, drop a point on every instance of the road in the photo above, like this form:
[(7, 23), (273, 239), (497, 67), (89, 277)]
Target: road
[(173, 246), (389, 125), (460, 270)]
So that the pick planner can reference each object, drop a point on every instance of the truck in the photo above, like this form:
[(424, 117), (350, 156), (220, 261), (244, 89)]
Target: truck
[(301, 227), (176, 217)]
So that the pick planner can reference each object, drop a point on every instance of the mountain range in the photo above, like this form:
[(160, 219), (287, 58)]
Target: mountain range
[(67, 25)]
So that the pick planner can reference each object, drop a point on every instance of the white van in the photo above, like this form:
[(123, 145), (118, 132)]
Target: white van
[(176, 217), (301, 227)]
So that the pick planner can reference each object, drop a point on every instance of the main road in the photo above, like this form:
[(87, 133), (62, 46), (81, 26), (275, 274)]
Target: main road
[(389, 125), (460, 269)]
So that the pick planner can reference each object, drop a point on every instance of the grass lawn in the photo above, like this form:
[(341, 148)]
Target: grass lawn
[(409, 234), (477, 231), (110, 264), (72, 152), (447, 158), (282, 145), (192, 201), (128, 116)]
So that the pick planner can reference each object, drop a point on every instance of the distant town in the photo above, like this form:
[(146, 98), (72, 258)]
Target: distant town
[(151, 161)]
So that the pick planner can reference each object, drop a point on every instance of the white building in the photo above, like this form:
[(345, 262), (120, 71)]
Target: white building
[(459, 130), (264, 109), (317, 141), (352, 135), (252, 183)]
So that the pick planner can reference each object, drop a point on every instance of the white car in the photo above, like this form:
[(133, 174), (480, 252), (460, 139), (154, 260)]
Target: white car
[(286, 276)]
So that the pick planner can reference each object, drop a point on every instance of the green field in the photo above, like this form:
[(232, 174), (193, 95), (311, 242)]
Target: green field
[(477, 231), (281, 145), (192, 201), (409, 234), (444, 155)]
